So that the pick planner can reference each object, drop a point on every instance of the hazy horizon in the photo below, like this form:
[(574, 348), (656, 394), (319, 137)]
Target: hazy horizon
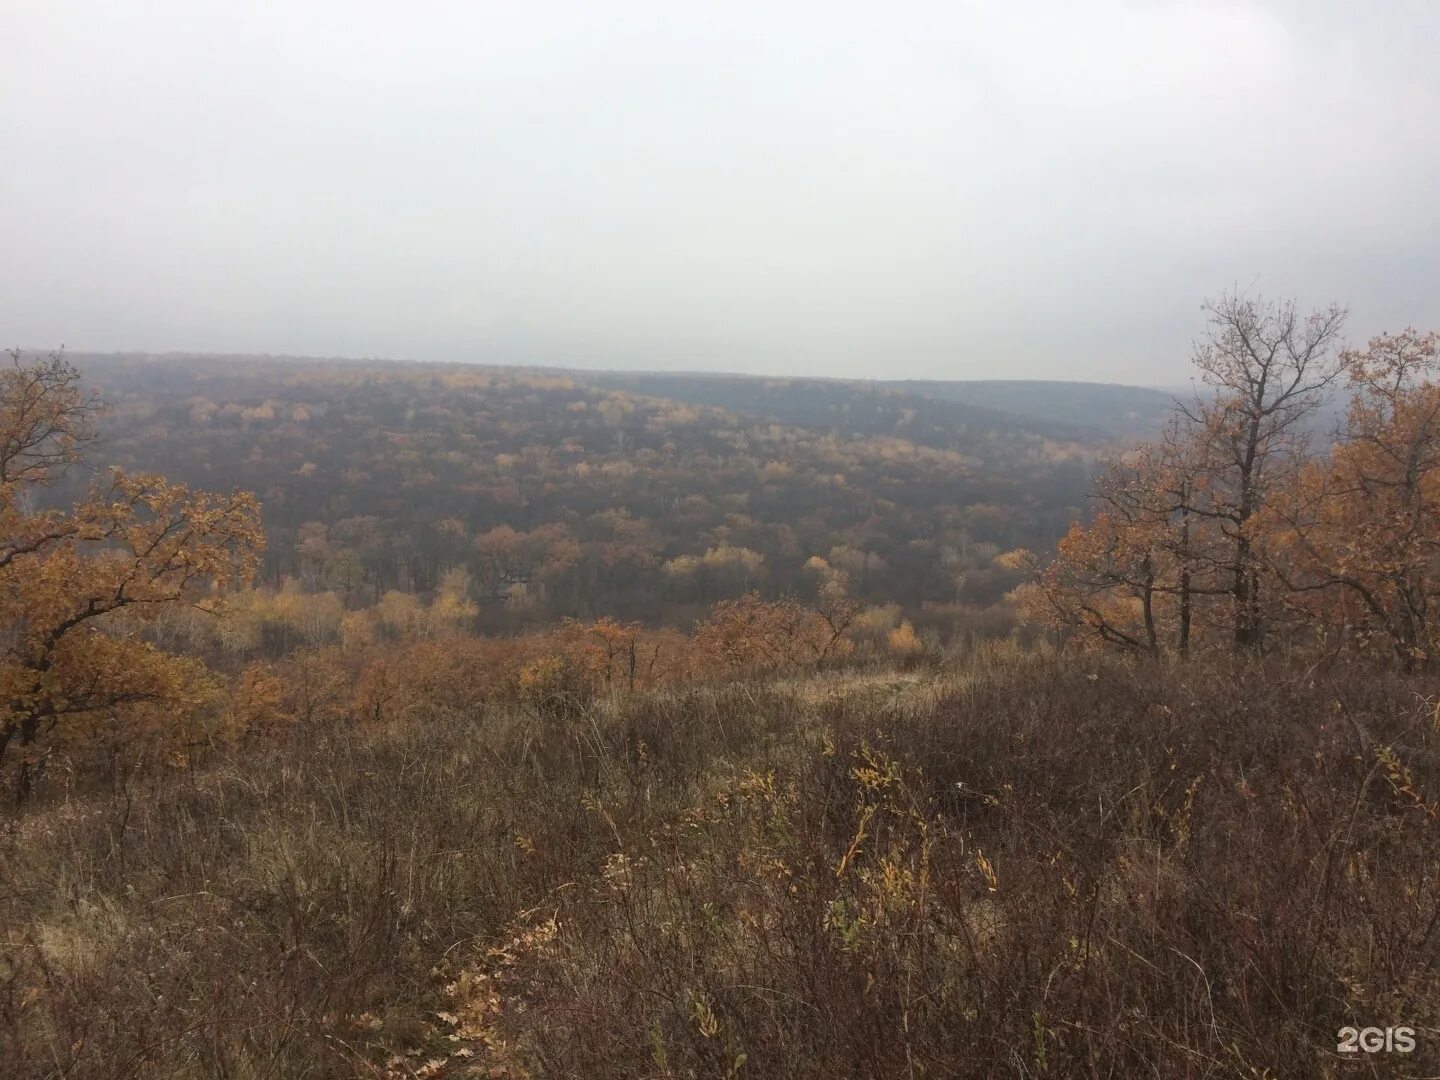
[(932, 192), (81, 355)]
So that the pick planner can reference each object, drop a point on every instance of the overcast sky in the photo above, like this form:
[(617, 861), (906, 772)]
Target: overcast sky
[(944, 190)]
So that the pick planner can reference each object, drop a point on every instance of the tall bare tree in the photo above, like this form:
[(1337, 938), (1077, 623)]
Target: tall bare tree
[(1267, 368)]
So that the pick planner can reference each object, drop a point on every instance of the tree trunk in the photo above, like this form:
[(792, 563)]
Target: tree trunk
[(1184, 642)]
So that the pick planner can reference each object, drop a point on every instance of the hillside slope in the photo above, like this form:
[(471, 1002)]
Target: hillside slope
[(1121, 411), (595, 495), (852, 406)]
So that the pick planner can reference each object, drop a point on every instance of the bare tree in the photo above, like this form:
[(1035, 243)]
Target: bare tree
[(1268, 368)]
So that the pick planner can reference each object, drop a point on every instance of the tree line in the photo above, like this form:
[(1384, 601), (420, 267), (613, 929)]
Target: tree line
[(1251, 527)]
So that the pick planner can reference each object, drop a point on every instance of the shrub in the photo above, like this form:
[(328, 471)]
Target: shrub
[(1029, 866)]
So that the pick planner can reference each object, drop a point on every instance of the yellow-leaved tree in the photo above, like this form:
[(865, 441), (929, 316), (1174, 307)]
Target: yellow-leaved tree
[(78, 584), (1361, 528)]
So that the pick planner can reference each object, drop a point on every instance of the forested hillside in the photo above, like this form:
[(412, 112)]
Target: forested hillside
[(1121, 411), (423, 722), (642, 497), (933, 414)]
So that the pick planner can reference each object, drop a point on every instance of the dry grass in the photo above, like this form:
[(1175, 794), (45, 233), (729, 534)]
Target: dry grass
[(1024, 867)]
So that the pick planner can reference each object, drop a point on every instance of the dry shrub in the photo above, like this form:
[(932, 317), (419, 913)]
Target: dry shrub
[(1056, 871), (297, 909), (749, 635), (1027, 867)]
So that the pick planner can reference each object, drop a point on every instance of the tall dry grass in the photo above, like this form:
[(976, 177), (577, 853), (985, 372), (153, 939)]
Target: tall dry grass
[(1024, 867)]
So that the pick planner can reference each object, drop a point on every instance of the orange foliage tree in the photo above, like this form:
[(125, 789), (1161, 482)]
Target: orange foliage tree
[(748, 634), (1233, 526), (1361, 530), (1133, 575), (76, 585)]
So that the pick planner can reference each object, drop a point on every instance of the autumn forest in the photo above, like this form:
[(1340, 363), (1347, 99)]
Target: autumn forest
[(389, 719)]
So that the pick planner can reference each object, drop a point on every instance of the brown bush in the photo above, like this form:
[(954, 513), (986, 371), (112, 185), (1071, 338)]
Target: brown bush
[(1054, 871), (1026, 867)]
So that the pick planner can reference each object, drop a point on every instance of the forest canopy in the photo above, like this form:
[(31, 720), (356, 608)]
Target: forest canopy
[(567, 495)]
